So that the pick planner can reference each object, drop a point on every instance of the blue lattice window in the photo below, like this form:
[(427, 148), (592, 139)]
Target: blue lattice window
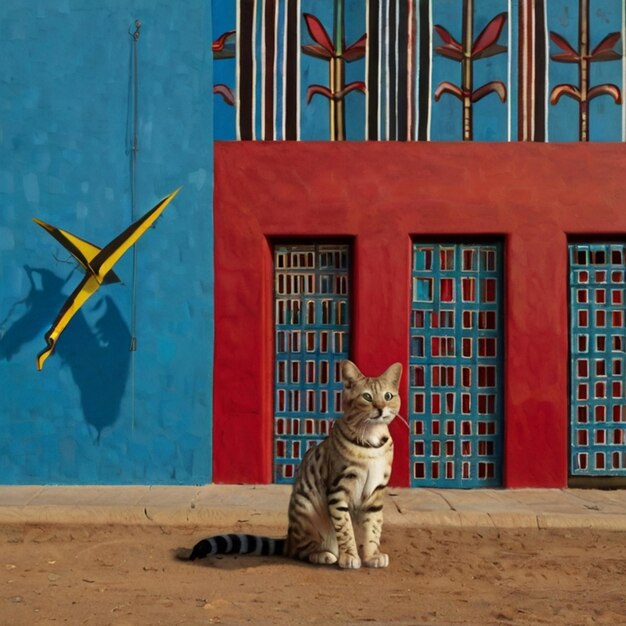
[(456, 365), (311, 286), (597, 359)]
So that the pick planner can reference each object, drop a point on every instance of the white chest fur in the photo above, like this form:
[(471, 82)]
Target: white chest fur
[(378, 470)]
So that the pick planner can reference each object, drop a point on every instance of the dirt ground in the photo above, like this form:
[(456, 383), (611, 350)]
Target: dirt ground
[(130, 575)]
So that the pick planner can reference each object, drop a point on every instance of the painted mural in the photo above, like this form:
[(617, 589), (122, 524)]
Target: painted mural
[(419, 70)]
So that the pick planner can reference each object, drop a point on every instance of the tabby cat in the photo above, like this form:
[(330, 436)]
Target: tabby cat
[(336, 506)]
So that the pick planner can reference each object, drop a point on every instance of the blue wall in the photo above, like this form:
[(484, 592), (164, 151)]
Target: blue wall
[(99, 413)]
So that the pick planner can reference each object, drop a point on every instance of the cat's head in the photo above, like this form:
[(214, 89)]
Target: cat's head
[(373, 400)]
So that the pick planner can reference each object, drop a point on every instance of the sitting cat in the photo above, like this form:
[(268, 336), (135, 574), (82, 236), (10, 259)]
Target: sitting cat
[(335, 511)]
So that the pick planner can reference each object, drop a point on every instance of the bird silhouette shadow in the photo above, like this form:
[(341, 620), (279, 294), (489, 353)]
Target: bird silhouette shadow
[(97, 355)]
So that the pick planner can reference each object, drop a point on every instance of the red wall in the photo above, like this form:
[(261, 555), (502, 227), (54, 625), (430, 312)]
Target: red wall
[(382, 195)]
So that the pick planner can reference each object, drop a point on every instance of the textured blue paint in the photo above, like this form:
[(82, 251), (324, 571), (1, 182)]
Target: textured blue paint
[(98, 413), (355, 26), (224, 71)]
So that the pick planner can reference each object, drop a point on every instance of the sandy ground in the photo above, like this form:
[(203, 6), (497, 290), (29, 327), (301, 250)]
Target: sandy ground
[(130, 575)]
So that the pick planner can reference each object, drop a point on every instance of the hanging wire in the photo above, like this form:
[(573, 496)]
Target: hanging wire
[(134, 148)]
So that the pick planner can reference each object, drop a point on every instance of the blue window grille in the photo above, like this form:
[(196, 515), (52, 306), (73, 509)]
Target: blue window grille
[(312, 316), (597, 359), (456, 365)]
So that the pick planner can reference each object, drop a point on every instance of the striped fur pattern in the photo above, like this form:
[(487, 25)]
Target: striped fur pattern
[(336, 506), (234, 543)]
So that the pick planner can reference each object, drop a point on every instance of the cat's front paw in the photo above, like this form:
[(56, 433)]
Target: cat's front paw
[(322, 558), (378, 560), (347, 561)]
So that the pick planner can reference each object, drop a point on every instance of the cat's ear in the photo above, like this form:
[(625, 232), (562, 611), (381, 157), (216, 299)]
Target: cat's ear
[(350, 373), (393, 374)]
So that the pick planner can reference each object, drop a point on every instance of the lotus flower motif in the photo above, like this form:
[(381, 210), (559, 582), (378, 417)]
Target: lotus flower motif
[(336, 53), (224, 48), (466, 53), (584, 93)]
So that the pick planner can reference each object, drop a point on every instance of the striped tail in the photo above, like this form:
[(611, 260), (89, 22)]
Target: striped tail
[(237, 544)]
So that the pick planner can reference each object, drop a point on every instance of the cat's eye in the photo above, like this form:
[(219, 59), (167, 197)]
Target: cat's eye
[(368, 397), (388, 396)]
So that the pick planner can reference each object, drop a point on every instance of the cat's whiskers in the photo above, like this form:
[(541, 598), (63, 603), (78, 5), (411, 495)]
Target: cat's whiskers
[(404, 421)]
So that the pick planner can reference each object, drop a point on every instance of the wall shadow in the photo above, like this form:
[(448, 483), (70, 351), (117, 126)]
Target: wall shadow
[(38, 309), (97, 354)]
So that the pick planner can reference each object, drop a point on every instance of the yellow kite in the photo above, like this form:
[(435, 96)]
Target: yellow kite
[(98, 265)]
